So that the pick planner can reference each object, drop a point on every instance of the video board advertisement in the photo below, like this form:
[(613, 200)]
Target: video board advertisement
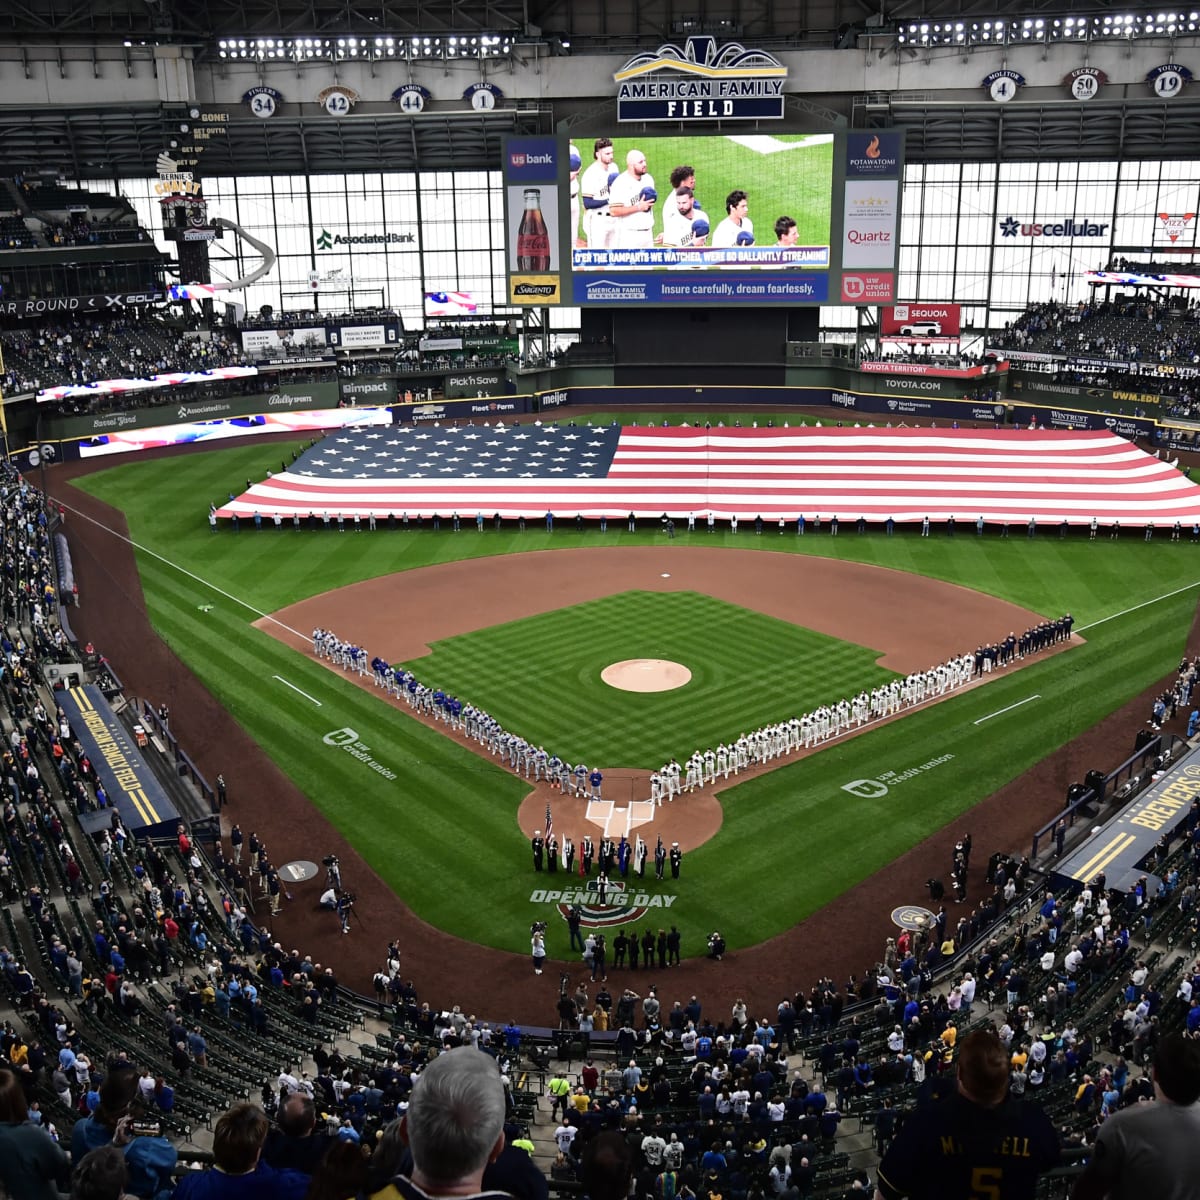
[(533, 238), (739, 218)]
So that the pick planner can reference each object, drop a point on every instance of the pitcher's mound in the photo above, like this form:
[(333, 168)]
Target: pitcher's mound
[(646, 675)]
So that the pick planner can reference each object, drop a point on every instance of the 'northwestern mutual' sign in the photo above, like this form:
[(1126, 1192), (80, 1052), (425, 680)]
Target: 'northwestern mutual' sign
[(702, 81)]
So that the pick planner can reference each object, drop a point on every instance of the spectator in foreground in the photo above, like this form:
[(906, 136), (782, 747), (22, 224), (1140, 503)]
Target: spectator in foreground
[(149, 1160), (454, 1126), (296, 1145), (607, 1167), (946, 1149), (237, 1170), (1152, 1149), (100, 1175), (32, 1164)]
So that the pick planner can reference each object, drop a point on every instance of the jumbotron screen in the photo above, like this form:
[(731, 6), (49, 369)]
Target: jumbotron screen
[(755, 218)]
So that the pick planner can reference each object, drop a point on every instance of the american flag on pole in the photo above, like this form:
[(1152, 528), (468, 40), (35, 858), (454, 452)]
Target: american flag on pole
[(530, 470), (549, 823)]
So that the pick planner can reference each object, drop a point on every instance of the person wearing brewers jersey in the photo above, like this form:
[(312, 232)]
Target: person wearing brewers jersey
[(576, 163), (593, 185), (737, 229), (631, 198), (685, 226), (682, 176)]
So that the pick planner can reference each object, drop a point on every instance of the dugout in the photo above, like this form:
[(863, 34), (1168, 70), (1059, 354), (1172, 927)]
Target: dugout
[(144, 806)]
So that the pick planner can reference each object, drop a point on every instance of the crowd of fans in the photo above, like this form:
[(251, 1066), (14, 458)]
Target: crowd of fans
[(1144, 267), (132, 345)]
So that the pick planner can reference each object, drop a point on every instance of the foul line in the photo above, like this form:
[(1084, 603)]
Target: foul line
[(184, 571), (999, 712), (296, 689), (1145, 604)]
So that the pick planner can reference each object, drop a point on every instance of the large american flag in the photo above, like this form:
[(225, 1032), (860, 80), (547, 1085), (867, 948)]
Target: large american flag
[(529, 470)]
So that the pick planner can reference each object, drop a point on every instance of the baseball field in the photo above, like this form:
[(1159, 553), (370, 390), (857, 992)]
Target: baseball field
[(439, 822)]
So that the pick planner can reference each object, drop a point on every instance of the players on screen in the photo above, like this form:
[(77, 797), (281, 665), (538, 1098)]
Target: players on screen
[(737, 229), (621, 210), (631, 199), (597, 225), (685, 226)]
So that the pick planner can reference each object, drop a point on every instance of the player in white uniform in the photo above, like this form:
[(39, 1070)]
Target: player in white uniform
[(684, 225), (576, 163), (737, 229), (593, 185), (631, 198), (683, 176)]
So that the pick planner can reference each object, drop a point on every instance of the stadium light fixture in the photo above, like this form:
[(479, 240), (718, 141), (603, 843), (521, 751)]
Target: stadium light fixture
[(352, 46)]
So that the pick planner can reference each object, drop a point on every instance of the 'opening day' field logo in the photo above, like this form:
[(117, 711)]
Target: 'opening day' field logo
[(873, 789), (347, 739), (623, 904)]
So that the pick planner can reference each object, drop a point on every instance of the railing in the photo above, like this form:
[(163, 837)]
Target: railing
[(1121, 783)]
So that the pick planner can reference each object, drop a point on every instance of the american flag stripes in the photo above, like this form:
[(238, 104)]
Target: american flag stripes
[(1002, 475), (549, 823)]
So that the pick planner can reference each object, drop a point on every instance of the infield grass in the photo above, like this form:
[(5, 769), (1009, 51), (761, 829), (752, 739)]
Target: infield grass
[(541, 675), (448, 806)]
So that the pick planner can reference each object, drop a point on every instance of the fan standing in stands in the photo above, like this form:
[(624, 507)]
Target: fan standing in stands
[(976, 1141)]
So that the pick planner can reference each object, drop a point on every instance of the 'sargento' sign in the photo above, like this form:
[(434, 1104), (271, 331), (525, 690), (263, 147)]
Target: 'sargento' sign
[(703, 81)]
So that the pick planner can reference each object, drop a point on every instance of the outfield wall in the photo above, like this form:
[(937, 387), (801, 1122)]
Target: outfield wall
[(847, 395)]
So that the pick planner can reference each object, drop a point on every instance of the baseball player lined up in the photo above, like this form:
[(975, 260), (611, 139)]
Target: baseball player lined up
[(737, 229), (593, 185), (631, 200), (703, 767)]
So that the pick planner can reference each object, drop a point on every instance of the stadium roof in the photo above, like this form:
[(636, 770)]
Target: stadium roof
[(603, 23)]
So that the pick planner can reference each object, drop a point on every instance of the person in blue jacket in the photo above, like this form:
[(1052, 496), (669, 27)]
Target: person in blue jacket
[(151, 1160), (238, 1172)]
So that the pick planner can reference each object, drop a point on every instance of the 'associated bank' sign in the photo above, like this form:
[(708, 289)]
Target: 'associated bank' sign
[(702, 81)]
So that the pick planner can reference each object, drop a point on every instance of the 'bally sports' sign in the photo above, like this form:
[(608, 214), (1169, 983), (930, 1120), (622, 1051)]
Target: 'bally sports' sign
[(703, 81)]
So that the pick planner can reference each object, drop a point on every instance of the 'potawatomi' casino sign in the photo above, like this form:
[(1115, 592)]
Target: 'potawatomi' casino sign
[(703, 81)]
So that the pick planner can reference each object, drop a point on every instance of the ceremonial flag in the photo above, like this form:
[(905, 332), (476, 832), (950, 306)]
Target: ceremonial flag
[(549, 822), (1007, 474)]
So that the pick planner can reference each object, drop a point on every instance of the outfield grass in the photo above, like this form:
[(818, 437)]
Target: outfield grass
[(541, 675), (467, 806)]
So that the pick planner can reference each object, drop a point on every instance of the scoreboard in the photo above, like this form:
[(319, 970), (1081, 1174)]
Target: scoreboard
[(744, 218)]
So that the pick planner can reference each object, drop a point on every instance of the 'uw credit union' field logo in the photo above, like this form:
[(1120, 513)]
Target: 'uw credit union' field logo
[(347, 740), (874, 789)]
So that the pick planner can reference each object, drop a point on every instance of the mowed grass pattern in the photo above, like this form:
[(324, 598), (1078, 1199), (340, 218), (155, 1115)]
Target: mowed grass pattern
[(448, 806), (541, 676)]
